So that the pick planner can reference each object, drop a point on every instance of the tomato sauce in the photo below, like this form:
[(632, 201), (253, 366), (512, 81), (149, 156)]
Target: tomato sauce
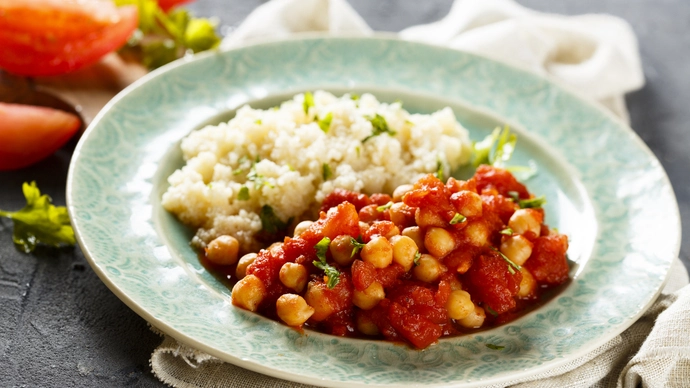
[(447, 259)]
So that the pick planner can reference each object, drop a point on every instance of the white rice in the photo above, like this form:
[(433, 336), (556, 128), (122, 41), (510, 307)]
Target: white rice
[(292, 151)]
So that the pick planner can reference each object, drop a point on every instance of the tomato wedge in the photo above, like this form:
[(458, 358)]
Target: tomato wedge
[(31, 133), (51, 37)]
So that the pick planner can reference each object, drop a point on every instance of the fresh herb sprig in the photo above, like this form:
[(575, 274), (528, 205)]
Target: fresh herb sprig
[(164, 37), (331, 272), (379, 126), (39, 222), (512, 267)]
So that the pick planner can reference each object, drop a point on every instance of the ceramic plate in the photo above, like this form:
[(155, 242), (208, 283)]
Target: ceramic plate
[(605, 190)]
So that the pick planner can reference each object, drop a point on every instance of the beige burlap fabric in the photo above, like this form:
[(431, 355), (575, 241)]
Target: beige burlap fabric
[(653, 352)]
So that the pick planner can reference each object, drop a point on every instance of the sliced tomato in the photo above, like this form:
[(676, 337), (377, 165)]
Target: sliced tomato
[(31, 133), (51, 37), (166, 5)]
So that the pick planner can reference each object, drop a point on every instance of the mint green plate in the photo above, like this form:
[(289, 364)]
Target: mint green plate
[(605, 190)]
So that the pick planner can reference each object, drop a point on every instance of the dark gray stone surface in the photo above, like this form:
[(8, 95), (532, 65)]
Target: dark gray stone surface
[(61, 327)]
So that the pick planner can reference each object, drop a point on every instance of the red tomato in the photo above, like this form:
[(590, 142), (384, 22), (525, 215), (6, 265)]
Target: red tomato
[(166, 5), (50, 37), (31, 133)]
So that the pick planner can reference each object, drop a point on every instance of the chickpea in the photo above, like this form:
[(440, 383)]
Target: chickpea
[(474, 320), (404, 251), (400, 191), (525, 220), (293, 276), (527, 285), (398, 214), (341, 249), (223, 250), (378, 251), (424, 218), (366, 326), (316, 296), (439, 242), (293, 309), (455, 284), (275, 246), (517, 248), (459, 304), (428, 269), (416, 234), (242, 265), (363, 227), (369, 298), (302, 227), (477, 233), (248, 293), (468, 203)]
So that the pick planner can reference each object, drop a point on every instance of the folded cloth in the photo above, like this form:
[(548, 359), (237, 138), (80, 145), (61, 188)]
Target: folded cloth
[(596, 55)]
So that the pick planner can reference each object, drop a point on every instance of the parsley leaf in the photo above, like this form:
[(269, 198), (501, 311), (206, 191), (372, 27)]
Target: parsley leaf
[(326, 171), (495, 149), (243, 194), (270, 222), (380, 126), (417, 256), (308, 102), (439, 170), (506, 231), (331, 272), (495, 347), (258, 179), (39, 221), (490, 311), (511, 265), (163, 37), (356, 246), (384, 207), (458, 218), (325, 122), (531, 203)]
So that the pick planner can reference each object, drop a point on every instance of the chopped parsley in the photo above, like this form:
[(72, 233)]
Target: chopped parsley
[(495, 347), (380, 126), (325, 122), (258, 122), (240, 165), (356, 246), (506, 231), (331, 272), (354, 96), (495, 149), (417, 256), (439, 170), (270, 222), (258, 179), (384, 207), (511, 266), (326, 171), (243, 194), (458, 218), (358, 150), (308, 102), (531, 203), (39, 222), (491, 311)]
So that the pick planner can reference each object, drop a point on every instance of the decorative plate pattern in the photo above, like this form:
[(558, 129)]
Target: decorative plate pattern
[(605, 190)]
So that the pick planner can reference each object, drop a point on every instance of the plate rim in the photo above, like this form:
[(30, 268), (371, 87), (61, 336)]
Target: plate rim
[(136, 307)]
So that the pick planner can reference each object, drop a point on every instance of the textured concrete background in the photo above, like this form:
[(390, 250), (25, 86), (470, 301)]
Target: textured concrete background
[(61, 327)]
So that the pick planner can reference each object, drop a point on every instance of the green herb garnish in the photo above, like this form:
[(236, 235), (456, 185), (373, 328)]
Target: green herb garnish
[(270, 222), (491, 311), (439, 170), (354, 97), (417, 256), (506, 231), (308, 102), (511, 266), (458, 218), (39, 222), (243, 194), (356, 246), (495, 149), (257, 122), (325, 122), (258, 179), (380, 126), (384, 207), (326, 171), (242, 160), (532, 203), (331, 272), (163, 37), (495, 347)]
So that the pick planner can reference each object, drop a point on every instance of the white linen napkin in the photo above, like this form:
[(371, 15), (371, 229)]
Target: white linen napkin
[(596, 55)]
